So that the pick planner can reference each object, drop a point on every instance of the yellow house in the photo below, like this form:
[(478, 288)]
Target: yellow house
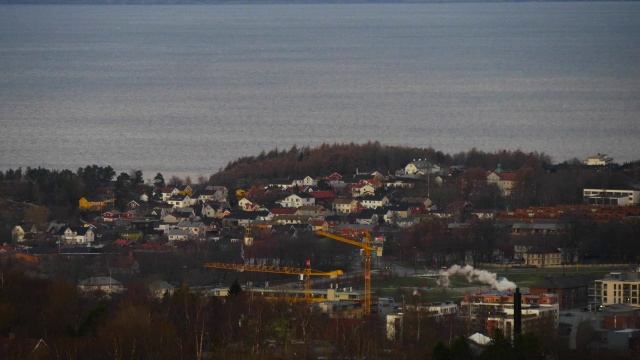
[(185, 190), (85, 204)]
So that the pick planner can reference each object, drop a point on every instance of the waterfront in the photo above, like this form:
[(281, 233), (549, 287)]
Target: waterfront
[(186, 89)]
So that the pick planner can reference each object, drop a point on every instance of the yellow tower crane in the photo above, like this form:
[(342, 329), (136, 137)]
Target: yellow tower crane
[(367, 262), (307, 273)]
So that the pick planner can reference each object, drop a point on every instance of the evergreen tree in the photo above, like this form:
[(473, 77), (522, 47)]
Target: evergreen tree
[(235, 289)]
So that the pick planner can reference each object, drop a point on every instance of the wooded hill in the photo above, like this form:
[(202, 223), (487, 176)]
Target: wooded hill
[(371, 156)]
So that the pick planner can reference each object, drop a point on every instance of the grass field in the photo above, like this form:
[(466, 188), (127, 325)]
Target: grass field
[(427, 290)]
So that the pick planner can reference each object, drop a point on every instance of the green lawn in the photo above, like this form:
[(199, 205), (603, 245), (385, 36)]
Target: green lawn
[(429, 291)]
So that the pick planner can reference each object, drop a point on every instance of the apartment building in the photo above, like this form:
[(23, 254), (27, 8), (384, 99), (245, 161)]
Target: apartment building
[(616, 288), (483, 312)]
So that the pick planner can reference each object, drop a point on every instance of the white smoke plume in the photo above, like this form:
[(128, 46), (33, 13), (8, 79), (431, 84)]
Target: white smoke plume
[(472, 274)]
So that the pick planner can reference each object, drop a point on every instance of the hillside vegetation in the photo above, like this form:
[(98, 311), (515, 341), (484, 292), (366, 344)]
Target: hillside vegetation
[(367, 157)]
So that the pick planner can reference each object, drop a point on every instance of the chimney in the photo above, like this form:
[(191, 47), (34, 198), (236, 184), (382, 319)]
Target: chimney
[(517, 313)]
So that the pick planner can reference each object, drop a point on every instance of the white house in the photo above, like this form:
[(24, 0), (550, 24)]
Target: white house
[(178, 235), (374, 202), (297, 200), (178, 201), (166, 192), (76, 235), (598, 160), (307, 181), (421, 167)]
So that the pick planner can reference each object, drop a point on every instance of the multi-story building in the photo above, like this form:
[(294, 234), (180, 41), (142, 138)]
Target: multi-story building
[(485, 311), (598, 160), (572, 291), (611, 197), (616, 288), (535, 319)]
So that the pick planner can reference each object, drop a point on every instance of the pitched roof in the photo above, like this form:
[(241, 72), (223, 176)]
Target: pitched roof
[(543, 249), (99, 281), (283, 211), (563, 282), (323, 194)]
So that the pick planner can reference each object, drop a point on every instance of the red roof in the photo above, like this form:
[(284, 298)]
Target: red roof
[(508, 176), (322, 194), (284, 211)]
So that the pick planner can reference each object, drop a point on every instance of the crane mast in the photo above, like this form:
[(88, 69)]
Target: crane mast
[(366, 246)]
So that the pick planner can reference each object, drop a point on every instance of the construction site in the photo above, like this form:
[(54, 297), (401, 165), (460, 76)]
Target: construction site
[(318, 288)]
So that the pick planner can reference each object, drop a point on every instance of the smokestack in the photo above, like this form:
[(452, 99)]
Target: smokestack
[(517, 313)]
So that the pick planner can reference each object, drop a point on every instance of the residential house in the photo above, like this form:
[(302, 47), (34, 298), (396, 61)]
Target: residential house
[(362, 189), (164, 194), (315, 211), (196, 229), (246, 205), (421, 167), (319, 225), (104, 284), (178, 235), (346, 206), (543, 256), (91, 205), (178, 201), (110, 216), (76, 235), (374, 201), (297, 200)]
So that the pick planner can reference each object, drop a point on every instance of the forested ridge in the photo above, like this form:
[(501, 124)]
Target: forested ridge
[(366, 157)]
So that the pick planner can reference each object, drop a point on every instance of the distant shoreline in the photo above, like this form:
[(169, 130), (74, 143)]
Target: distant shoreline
[(273, 2)]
